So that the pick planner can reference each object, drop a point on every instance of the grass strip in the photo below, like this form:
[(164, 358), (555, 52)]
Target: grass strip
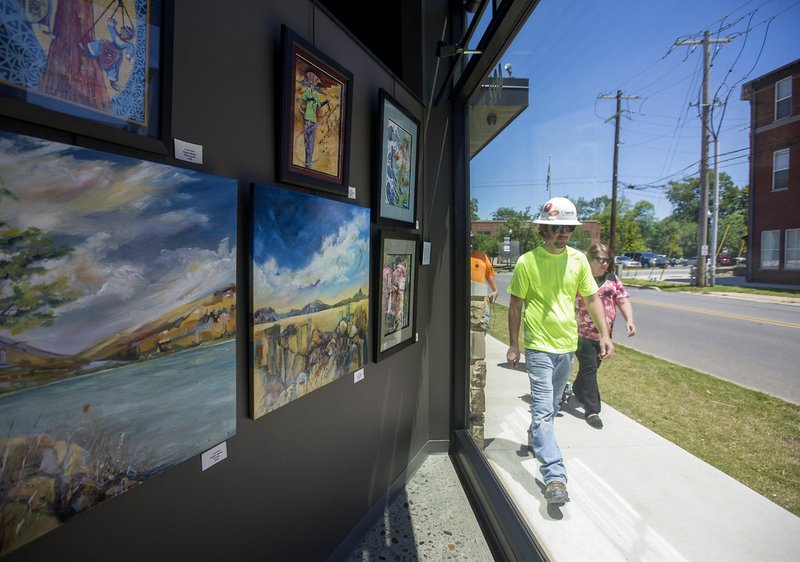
[(748, 435), (685, 287)]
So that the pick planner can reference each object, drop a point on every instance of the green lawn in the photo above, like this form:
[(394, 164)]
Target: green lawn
[(750, 436)]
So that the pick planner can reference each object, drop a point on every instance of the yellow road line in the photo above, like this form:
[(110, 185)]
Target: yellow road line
[(715, 313)]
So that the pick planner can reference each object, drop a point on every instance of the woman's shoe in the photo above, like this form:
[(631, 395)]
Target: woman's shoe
[(594, 420)]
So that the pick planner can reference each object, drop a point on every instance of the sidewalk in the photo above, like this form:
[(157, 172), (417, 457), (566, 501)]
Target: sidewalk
[(634, 495)]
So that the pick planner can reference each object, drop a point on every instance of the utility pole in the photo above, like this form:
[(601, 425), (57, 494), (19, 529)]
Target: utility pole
[(702, 231), (613, 228), (715, 215)]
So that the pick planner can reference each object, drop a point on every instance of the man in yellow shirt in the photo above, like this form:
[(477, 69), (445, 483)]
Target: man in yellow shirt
[(547, 281)]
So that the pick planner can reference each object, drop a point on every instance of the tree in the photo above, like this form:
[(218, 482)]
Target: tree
[(733, 205), (26, 298), (592, 208), (522, 229), (473, 209), (486, 244)]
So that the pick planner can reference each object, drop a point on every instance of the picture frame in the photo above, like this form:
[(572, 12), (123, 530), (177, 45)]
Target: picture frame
[(398, 163), (396, 302), (316, 108), (100, 69), (310, 293)]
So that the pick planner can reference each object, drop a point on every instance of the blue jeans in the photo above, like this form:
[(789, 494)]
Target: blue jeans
[(548, 373)]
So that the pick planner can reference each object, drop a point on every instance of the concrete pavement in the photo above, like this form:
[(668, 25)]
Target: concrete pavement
[(635, 495)]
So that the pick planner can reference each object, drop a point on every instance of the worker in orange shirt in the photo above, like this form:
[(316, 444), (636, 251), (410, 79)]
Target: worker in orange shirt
[(481, 275)]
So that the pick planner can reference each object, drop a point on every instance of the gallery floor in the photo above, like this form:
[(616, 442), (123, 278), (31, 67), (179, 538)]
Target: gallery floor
[(430, 519)]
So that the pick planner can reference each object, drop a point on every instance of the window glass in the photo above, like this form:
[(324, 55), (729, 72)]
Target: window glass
[(793, 248), (783, 98), (770, 249), (780, 169)]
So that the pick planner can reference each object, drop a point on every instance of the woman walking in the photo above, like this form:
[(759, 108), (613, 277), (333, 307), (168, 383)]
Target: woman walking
[(612, 294)]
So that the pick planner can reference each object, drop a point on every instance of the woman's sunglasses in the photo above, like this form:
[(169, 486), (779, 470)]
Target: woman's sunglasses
[(558, 228), (601, 260)]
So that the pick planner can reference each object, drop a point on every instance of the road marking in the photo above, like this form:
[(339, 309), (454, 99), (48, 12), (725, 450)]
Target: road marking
[(715, 313)]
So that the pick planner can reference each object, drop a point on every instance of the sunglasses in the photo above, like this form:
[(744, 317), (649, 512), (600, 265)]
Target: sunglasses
[(601, 260), (558, 228)]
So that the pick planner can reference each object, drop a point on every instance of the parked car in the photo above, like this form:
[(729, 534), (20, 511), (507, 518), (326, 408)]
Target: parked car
[(724, 260), (648, 259), (691, 261), (741, 260), (626, 261)]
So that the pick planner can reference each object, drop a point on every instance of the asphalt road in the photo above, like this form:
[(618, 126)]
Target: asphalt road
[(754, 343)]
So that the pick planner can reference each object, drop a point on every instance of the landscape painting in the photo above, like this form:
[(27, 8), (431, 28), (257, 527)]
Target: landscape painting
[(310, 294), (93, 59), (117, 326)]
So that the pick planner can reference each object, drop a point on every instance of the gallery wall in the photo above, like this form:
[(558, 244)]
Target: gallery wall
[(297, 480)]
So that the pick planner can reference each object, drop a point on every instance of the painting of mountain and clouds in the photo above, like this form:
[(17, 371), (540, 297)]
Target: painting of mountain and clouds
[(310, 294), (117, 326)]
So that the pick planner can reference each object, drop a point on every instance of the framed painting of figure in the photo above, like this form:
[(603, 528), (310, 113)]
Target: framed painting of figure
[(396, 197), (92, 67), (315, 121), (396, 305)]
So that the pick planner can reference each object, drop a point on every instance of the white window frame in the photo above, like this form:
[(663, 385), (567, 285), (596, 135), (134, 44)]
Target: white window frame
[(784, 98), (770, 256), (775, 168), (792, 251)]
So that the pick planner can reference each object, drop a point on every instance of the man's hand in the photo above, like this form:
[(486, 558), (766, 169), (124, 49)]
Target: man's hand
[(631, 328), (512, 356), (606, 348), (493, 296)]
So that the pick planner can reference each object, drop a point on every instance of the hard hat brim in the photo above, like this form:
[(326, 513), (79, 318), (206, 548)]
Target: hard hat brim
[(567, 222)]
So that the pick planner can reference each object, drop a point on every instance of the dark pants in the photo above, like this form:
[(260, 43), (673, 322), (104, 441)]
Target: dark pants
[(585, 385)]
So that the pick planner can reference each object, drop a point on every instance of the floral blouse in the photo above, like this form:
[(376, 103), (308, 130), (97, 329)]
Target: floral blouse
[(611, 290)]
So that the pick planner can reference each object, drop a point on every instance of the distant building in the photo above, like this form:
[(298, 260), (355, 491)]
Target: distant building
[(773, 243)]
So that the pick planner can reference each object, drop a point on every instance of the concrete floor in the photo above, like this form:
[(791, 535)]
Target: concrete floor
[(431, 519)]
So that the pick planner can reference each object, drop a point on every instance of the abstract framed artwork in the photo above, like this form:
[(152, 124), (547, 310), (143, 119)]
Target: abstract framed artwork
[(117, 326), (315, 121), (396, 317), (92, 67), (310, 279), (396, 197)]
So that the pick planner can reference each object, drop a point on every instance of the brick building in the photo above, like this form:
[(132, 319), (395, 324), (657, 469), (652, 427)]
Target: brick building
[(774, 218)]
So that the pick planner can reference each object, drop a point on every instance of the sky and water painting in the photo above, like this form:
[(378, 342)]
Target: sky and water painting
[(117, 326)]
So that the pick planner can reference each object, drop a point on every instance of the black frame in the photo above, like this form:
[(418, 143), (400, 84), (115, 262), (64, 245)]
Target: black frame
[(407, 336), (28, 105), (295, 48), (389, 107)]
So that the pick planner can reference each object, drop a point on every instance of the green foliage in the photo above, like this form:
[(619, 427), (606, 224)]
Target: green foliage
[(473, 209), (27, 295), (487, 244), (520, 225)]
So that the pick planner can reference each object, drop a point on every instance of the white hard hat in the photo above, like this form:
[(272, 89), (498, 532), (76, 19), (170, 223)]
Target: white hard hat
[(558, 210)]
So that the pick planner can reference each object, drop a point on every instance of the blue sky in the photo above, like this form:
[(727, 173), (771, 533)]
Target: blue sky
[(307, 247), (145, 237), (573, 52)]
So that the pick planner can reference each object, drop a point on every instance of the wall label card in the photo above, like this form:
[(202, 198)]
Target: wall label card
[(215, 455)]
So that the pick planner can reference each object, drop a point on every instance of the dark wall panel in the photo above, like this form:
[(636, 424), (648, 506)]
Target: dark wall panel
[(297, 480)]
